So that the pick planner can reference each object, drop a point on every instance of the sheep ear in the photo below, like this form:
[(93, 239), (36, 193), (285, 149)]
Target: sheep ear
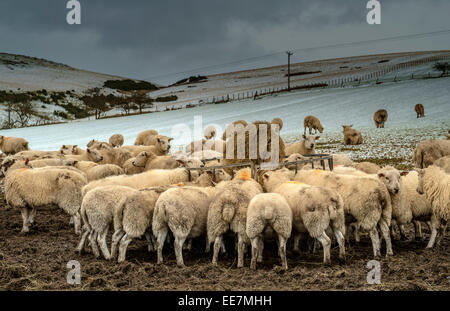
[(380, 175), (27, 161), (88, 150), (317, 137), (158, 139), (62, 152), (63, 146), (170, 139), (304, 136), (404, 173), (180, 161), (74, 146)]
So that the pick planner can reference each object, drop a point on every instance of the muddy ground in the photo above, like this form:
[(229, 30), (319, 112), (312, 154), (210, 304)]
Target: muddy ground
[(37, 261)]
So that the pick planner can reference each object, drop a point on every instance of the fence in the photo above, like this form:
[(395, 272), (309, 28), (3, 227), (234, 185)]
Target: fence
[(348, 80)]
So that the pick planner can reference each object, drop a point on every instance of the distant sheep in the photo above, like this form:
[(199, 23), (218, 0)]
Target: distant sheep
[(352, 136), (71, 149), (28, 189), (420, 110), (148, 161), (314, 209), (162, 146), (143, 136), (306, 146), (184, 211), (12, 145), (116, 140), (428, 151), (268, 214), (435, 184), (312, 123), (380, 117)]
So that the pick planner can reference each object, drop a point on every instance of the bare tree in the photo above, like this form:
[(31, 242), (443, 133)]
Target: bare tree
[(141, 100), (22, 108), (443, 67)]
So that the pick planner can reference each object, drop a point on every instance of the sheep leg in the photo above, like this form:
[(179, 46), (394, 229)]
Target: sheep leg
[(25, 217), (441, 233), (188, 245), (77, 223), (123, 247), (149, 238), (255, 245), (116, 237), (241, 246), (160, 239), (418, 230), (434, 231), (282, 251), (326, 244), (260, 250), (82, 243), (356, 232), (387, 237), (401, 228), (207, 245), (71, 220), (101, 239), (31, 216), (217, 245), (178, 245), (223, 250), (296, 243), (375, 242), (93, 240), (341, 242)]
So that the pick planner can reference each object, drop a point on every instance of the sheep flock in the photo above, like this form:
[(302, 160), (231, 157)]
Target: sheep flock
[(118, 193)]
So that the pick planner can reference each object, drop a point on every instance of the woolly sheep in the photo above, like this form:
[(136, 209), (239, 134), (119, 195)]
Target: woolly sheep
[(351, 135), (12, 145), (10, 164), (420, 110), (102, 171), (380, 117), (130, 169), (90, 155), (95, 144), (116, 140), (428, 151), (184, 210), (312, 123), (268, 214), (148, 161), (29, 189), (37, 154), (117, 156), (71, 149), (144, 180), (314, 209), (435, 184), (142, 136), (210, 132), (162, 146), (367, 167), (228, 212), (294, 158), (366, 201), (443, 163), (306, 146), (279, 122)]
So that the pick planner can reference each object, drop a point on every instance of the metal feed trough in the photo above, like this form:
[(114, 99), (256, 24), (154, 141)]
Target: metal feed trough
[(322, 157)]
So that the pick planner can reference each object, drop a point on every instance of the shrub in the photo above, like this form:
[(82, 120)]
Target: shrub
[(129, 85), (166, 98)]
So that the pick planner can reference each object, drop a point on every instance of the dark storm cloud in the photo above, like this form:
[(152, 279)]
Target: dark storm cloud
[(146, 38)]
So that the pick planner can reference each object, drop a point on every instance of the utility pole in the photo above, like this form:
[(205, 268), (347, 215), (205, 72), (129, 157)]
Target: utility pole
[(289, 54)]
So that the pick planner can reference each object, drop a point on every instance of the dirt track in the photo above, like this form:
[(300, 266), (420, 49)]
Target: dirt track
[(37, 261)]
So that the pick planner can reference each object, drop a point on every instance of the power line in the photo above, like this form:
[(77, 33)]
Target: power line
[(339, 45)]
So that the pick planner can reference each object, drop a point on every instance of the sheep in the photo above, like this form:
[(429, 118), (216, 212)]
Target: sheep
[(148, 161), (306, 146), (37, 154), (295, 157), (102, 171), (71, 149), (12, 145), (229, 129), (130, 169), (312, 123), (29, 189), (142, 136), (143, 180), (428, 151), (162, 146), (366, 167), (184, 210), (90, 155), (443, 163), (117, 156), (228, 212), (279, 122), (210, 132), (435, 184), (420, 110), (352, 136), (268, 214), (314, 209), (366, 202), (380, 117), (116, 140), (206, 154), (95, 144), (10, 164)]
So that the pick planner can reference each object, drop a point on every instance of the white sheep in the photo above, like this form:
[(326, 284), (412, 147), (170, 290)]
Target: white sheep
[(102, 171), (143, 136), (435, 184), (12, 145), (116, 140), (268, 215), (314, 209), (366, 202), (160, 148), (184, 210), (90, 155), (29, 189), (228, 212), (443, 163), (144, 180), (37, 154), (306, 146), (428, 151), (148, 160), (71, 149)]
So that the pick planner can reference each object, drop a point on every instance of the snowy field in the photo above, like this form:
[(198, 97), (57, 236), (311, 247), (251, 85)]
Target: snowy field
[(334, 107)]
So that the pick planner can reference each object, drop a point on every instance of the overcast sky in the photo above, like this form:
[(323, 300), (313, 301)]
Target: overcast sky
[(146, 39)]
